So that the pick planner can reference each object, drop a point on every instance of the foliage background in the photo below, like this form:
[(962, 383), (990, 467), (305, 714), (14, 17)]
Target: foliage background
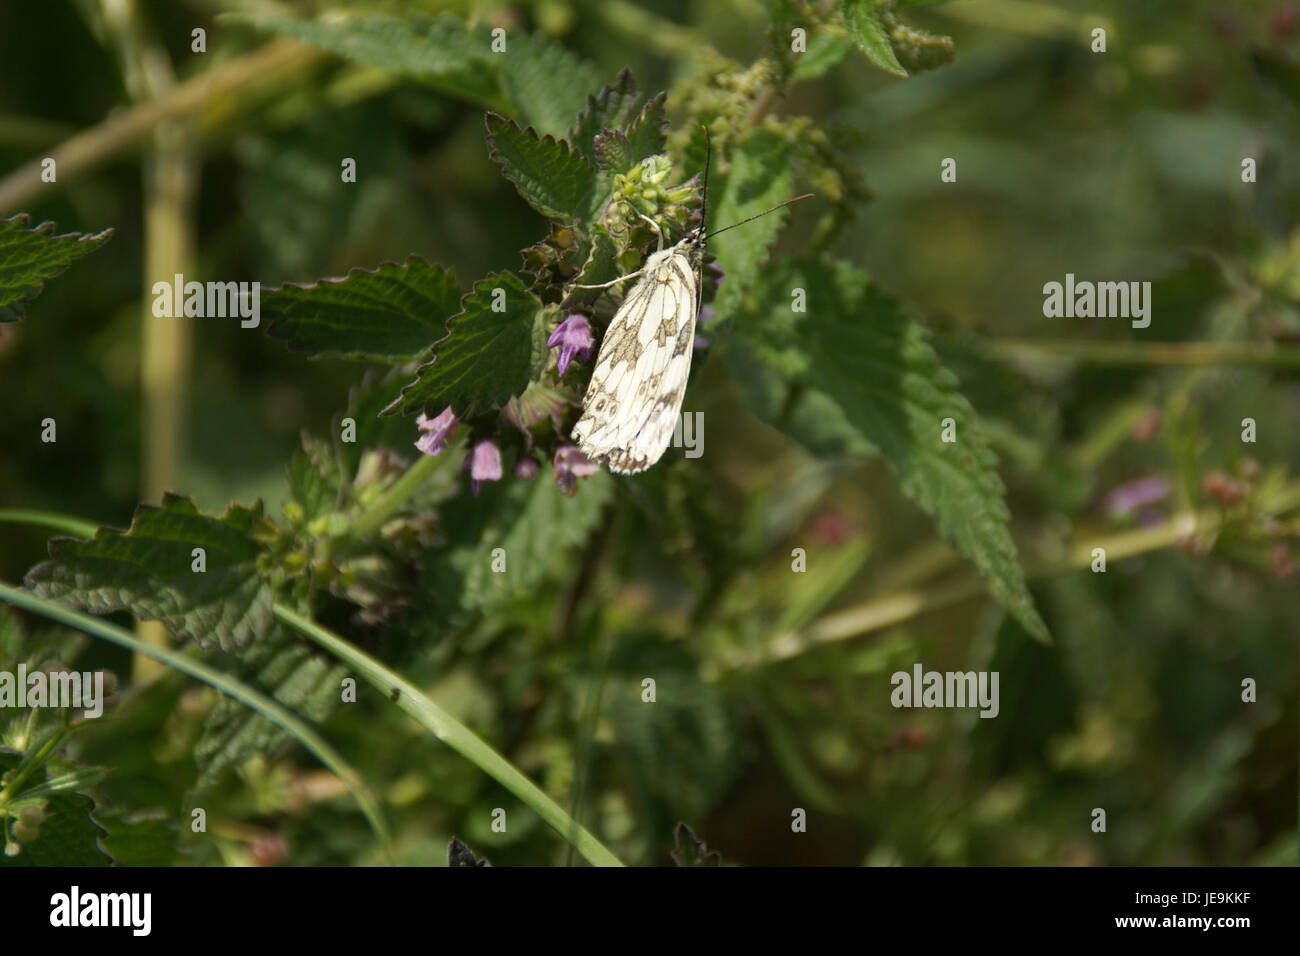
[(1122, 165)]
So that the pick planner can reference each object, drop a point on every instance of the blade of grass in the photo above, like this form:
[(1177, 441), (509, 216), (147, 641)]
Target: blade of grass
[(454, 734), (228, 685)]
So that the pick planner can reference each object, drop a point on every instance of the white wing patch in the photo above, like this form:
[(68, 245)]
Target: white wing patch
[(635, 396)]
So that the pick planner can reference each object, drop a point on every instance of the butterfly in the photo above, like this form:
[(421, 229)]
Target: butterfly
[(634, 399)]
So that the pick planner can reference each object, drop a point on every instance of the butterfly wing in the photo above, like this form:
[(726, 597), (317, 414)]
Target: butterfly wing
[(635, 396)]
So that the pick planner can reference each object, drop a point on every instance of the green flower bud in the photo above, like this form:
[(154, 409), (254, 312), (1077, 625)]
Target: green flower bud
[(294, 513)]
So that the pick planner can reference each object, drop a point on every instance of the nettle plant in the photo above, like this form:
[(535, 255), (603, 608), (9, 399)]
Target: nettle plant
[(448, 507)]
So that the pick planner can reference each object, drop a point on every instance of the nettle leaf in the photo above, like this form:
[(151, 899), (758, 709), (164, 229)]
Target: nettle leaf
[(440, 51), (759, 177), (487, 356), (68, 834), (306, 682), (147, 570), (534, 530), (392, 312), (315, 479), (825, 52), (690, 850), (866, 27), (140, 837), (532, 520), (809, 416), (614, 107), (551, 177), (682, 754), (547, 84), (29, 255), (621, 151), (459, 854), (857, 345), (291, 176)]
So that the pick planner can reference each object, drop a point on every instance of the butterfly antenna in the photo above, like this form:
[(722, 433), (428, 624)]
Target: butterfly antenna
[(759, 215), (704, 192)]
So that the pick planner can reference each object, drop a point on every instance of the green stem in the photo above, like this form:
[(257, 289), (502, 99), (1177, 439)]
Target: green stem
[(31, 765), (77, 527), (395, 498), (454, 734), (643, 27), (1146, 353), (123, 129), (882, 612), (228, 685)]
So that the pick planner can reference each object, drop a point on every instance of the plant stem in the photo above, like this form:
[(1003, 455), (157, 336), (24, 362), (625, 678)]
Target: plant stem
[(643, 27), (391, 501), (32, 764), (454, 734), (88, 148), (77, 527), (1147, 353), (879, 613), (228, 685)]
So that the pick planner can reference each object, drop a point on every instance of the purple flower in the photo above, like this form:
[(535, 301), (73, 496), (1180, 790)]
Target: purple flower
[(435, 432), (718, 271), (483, 464), (1139, 493), (527, 468), (570, 465), (572, 336)]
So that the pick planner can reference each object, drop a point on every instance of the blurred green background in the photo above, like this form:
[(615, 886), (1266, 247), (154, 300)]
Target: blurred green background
[(1123, 165)]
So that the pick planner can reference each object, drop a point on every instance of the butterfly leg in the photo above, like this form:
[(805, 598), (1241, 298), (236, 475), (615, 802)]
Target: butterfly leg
[(606, 285)]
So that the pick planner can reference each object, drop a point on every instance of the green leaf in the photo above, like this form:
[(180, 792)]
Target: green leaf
[(68, 835), (620, 151), (867, 29), (392, 312), (681, 754), (140, 837), (806, 414), (537, 526), (552, 178), (73, 780), (825, 52), (291, 176), (30, 256), (147, 570), (857, 345), (486, 357), (315, 481), (614, 107), (307, 682), (440, 51), (547, 83), (759, 177), (690, 850), (458, 854)]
